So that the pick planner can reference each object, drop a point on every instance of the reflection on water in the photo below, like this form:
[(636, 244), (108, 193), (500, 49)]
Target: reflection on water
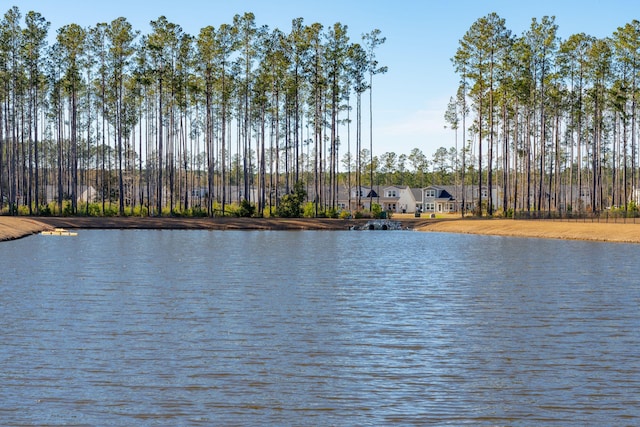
[(119, 328)]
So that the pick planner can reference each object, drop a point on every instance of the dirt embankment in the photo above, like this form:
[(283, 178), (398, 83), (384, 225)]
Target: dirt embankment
[(222, 223), (546, 229), (16, 227)]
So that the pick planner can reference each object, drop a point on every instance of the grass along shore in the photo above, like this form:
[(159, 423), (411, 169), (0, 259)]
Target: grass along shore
[(17, 227)]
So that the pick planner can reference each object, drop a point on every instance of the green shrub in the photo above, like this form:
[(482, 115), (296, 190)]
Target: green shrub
[(91, 209), (246, 209), (53, 208), (376, 210), (110, 210), (67, 209), (309, 210), (345, 214), (140, 211), (331, 213), (363, 214), (268, 211), (291, 204), (44, 210), (229, 210), (198, 212)]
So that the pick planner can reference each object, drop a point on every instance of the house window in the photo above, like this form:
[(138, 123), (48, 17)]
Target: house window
[(430, 193), (429, 207), (391, 193), (484, 193)]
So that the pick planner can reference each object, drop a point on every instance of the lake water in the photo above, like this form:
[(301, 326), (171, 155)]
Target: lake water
[(200, 328)]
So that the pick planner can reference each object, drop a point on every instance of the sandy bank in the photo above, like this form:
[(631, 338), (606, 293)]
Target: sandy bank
[(201, 223), (546, 229), (17, 227)]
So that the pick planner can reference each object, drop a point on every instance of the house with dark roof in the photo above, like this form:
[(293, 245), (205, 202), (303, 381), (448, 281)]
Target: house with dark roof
[(431, 199), (438, 199), (449, 198), (348, 198)]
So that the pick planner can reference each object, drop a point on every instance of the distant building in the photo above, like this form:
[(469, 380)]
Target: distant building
[(433, 199), (84, 194), (348, 198), (449, 198)]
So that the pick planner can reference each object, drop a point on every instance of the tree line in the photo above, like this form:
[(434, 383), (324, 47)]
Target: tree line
[(168, 122), (553, 122)]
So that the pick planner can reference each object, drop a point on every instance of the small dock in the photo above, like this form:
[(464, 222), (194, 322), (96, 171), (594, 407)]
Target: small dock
[(59, 232)]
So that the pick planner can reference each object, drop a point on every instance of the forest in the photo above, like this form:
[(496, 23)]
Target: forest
[(552, 122), (108, 121)]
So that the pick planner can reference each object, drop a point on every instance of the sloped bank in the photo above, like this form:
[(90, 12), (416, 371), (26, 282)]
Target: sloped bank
[(546, 229), (225, 223), (16, 227)]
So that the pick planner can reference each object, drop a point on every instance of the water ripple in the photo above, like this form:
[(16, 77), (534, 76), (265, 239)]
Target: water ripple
[(118, 328)]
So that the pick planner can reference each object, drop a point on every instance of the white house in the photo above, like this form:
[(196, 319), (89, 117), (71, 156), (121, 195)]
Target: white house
[(431, 199), (84, 193), (399, 199)]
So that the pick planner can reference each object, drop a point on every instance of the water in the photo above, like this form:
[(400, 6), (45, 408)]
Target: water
[(199, 328)]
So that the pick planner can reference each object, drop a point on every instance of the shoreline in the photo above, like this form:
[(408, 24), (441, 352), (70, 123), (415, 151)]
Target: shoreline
[(612, 232), (12, 227), (221, 223), (17, 227)]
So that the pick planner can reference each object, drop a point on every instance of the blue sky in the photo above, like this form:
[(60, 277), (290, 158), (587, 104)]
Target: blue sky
[(422, 35)]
